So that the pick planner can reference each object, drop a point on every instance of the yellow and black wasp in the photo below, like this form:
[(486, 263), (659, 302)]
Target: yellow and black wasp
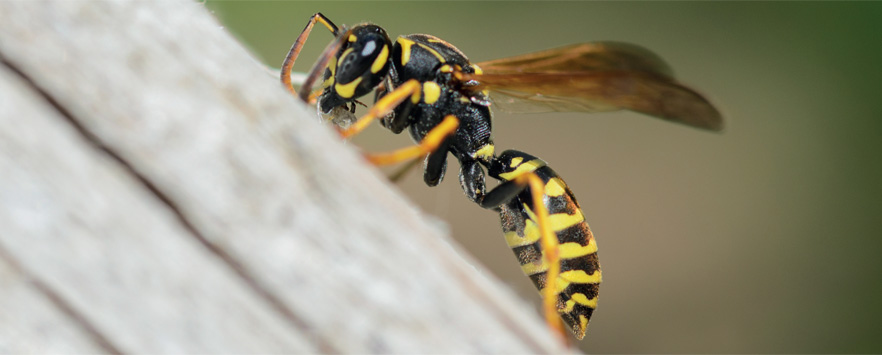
[(428, 86)]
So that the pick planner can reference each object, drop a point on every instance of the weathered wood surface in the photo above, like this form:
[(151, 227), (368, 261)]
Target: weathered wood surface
[(160, 193)]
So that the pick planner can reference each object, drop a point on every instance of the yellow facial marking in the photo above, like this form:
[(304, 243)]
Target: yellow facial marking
[(529, 166), (477, 69), (431, 91), (575, 250), (352, 38), (433, 51), (328, 82), (516, 161), (555, 187), (346, 52), (347, 90), (332, 66), (485, 153), (381, 60), (405, 49)]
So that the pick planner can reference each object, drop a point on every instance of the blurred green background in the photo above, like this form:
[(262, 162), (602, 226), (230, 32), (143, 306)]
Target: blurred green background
[(762, 239)]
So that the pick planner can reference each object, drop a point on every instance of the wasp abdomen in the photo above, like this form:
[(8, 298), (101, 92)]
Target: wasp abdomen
[(580, 277)]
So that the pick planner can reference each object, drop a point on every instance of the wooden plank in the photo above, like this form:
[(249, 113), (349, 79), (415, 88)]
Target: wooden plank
[(99, 244), (253, 179)]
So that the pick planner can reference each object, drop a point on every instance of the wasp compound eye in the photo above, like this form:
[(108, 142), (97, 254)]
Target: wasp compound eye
[(360, 65)]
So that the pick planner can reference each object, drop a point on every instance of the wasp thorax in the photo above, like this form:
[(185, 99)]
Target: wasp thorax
[(359, 66)]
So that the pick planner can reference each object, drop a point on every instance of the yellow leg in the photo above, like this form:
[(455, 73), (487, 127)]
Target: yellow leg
[(429, 143), (298, 45), (550, 251), (384, 106)]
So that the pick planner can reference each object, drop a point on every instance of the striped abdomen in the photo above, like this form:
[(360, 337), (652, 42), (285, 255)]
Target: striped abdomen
[(580, 275)]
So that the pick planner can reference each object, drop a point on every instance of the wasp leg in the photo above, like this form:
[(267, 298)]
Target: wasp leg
[(298, 45), (508, 190), (473, 182), (430, 143), (402, 172), (384, 106)]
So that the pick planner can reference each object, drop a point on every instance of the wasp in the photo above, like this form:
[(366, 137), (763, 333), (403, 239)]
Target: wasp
[(429, 87)]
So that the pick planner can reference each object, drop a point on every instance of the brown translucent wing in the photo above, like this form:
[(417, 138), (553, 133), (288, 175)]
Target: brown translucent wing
[(594, 77)]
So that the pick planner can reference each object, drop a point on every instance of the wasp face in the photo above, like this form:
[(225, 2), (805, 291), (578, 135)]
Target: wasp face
[(359, 66)]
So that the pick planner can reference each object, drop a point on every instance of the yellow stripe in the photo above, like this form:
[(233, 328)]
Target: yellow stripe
[(555, 187), (381, 60), (347, 90), (431, 92), (405, 49), (578, 298), (529, 166), (558, 221), (477, 69), (516, 161), (583, 300), (583, 324), (535, 268), (433, 51), (561, 221), (581, 277), (576, 276), (575, 250), (531, 235)]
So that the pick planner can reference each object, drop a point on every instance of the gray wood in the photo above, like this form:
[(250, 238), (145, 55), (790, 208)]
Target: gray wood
[(175, 198)]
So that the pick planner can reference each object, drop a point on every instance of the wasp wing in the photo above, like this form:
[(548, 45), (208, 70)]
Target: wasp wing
[(594, 77)]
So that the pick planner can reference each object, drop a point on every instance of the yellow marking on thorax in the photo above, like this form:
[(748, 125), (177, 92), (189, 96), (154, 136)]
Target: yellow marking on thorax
[(352, 38), (485, 153), (347, 90), (381, 60), (555, 187), (433, 51), (529, 166), (431, 92), (477, 69), (574, 250), (405, 49), (446, 68)]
